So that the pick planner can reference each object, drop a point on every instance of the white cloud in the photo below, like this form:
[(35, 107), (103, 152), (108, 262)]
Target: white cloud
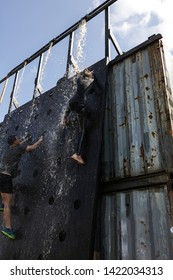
[(133, 21), (96, 3)]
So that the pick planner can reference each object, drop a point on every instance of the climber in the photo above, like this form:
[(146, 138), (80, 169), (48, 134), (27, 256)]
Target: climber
[(8, 171), (78, 104)]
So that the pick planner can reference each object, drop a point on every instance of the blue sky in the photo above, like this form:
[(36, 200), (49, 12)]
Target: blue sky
[(26, 26)]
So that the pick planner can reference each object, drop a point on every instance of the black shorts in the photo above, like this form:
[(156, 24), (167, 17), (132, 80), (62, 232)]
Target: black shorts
[(6, 185)]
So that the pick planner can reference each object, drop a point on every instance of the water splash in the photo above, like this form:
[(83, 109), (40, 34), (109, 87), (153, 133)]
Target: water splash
[(80, 44), (3, 90), (48, 54), (28, 121), (16, 94)]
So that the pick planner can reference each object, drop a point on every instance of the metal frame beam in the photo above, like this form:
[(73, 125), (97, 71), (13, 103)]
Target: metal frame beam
[(60, 37), (70, 51), (37, 79), (3, 90), (13, 91), (156, 179)]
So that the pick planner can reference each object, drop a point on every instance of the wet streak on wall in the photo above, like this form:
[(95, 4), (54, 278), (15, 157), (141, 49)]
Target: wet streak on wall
[(54, 203)]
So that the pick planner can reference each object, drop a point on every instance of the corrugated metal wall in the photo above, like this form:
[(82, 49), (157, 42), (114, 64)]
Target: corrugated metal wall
[(137, 158), (136, 225), (138, 124)]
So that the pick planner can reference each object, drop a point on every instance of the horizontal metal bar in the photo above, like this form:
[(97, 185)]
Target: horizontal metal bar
[(143, 45), (99, 9), (60, 37), (136, 182)]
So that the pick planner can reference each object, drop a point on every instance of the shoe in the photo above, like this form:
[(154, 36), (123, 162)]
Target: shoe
[(1, 207), (78, 159), (8, 232)]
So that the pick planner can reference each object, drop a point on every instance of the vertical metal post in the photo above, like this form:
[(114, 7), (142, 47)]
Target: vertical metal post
[(13, 92), (107, 30), (38, 75), (70, 51)]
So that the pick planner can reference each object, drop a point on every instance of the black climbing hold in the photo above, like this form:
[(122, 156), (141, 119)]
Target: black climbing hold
[(26, 210), (49, 112), (51, 93), (35, 173), (77, 204), (62, 236), (40, 257), (58, 160), (51, 200)]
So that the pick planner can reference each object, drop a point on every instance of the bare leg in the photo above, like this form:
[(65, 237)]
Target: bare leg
[(7, 199)]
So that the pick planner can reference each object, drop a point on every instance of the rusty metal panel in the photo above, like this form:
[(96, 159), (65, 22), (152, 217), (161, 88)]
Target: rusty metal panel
[(136, 225), (138, 120)]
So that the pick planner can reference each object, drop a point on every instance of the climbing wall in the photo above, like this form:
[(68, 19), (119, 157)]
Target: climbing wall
[(54, 202)]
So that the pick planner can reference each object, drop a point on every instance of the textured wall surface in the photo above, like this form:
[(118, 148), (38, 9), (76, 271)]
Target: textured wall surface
[(54, 202)]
